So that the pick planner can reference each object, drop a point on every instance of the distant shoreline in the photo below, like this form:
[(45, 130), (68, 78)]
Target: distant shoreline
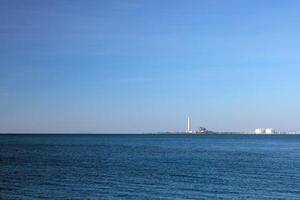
[(153, 133), (223, 133)]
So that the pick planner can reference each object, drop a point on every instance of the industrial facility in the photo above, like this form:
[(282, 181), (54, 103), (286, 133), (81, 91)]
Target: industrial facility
[(200, 130), (265, 131)]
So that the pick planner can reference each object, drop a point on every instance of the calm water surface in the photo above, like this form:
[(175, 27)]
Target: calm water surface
[(149, 167)]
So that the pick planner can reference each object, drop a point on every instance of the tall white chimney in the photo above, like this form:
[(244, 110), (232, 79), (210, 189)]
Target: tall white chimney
[(189, 129)]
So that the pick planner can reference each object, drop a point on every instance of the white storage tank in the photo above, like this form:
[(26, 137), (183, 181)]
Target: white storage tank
[(260, 131), (270, 131)]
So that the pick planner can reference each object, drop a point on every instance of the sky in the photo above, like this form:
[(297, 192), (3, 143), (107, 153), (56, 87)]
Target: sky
[(121, 66)]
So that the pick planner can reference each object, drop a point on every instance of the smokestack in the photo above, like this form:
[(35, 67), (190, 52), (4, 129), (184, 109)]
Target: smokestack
[(189, 129)]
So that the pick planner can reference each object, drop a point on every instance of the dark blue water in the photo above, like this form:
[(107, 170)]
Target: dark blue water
[(149, 167)]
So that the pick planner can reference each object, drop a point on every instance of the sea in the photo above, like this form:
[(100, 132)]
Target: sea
[(149, 166)]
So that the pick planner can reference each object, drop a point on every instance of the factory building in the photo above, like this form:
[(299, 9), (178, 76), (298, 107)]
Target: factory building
[(260, 131), (264, 131), (270, 131)]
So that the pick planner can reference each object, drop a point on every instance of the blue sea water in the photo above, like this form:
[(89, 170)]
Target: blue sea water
[(149, 166)]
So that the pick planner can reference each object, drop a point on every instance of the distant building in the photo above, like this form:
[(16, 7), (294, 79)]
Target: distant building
[(201, 130), (260, 131), (269, 131), (264, 131)]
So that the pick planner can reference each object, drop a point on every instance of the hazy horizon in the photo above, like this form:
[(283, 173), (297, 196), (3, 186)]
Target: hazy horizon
[(145, 66)]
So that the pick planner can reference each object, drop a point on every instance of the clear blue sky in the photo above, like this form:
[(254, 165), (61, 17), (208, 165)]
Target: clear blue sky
[(140, 66)]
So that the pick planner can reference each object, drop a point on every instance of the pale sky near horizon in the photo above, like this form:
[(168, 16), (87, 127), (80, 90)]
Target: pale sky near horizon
[(143, 66)]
